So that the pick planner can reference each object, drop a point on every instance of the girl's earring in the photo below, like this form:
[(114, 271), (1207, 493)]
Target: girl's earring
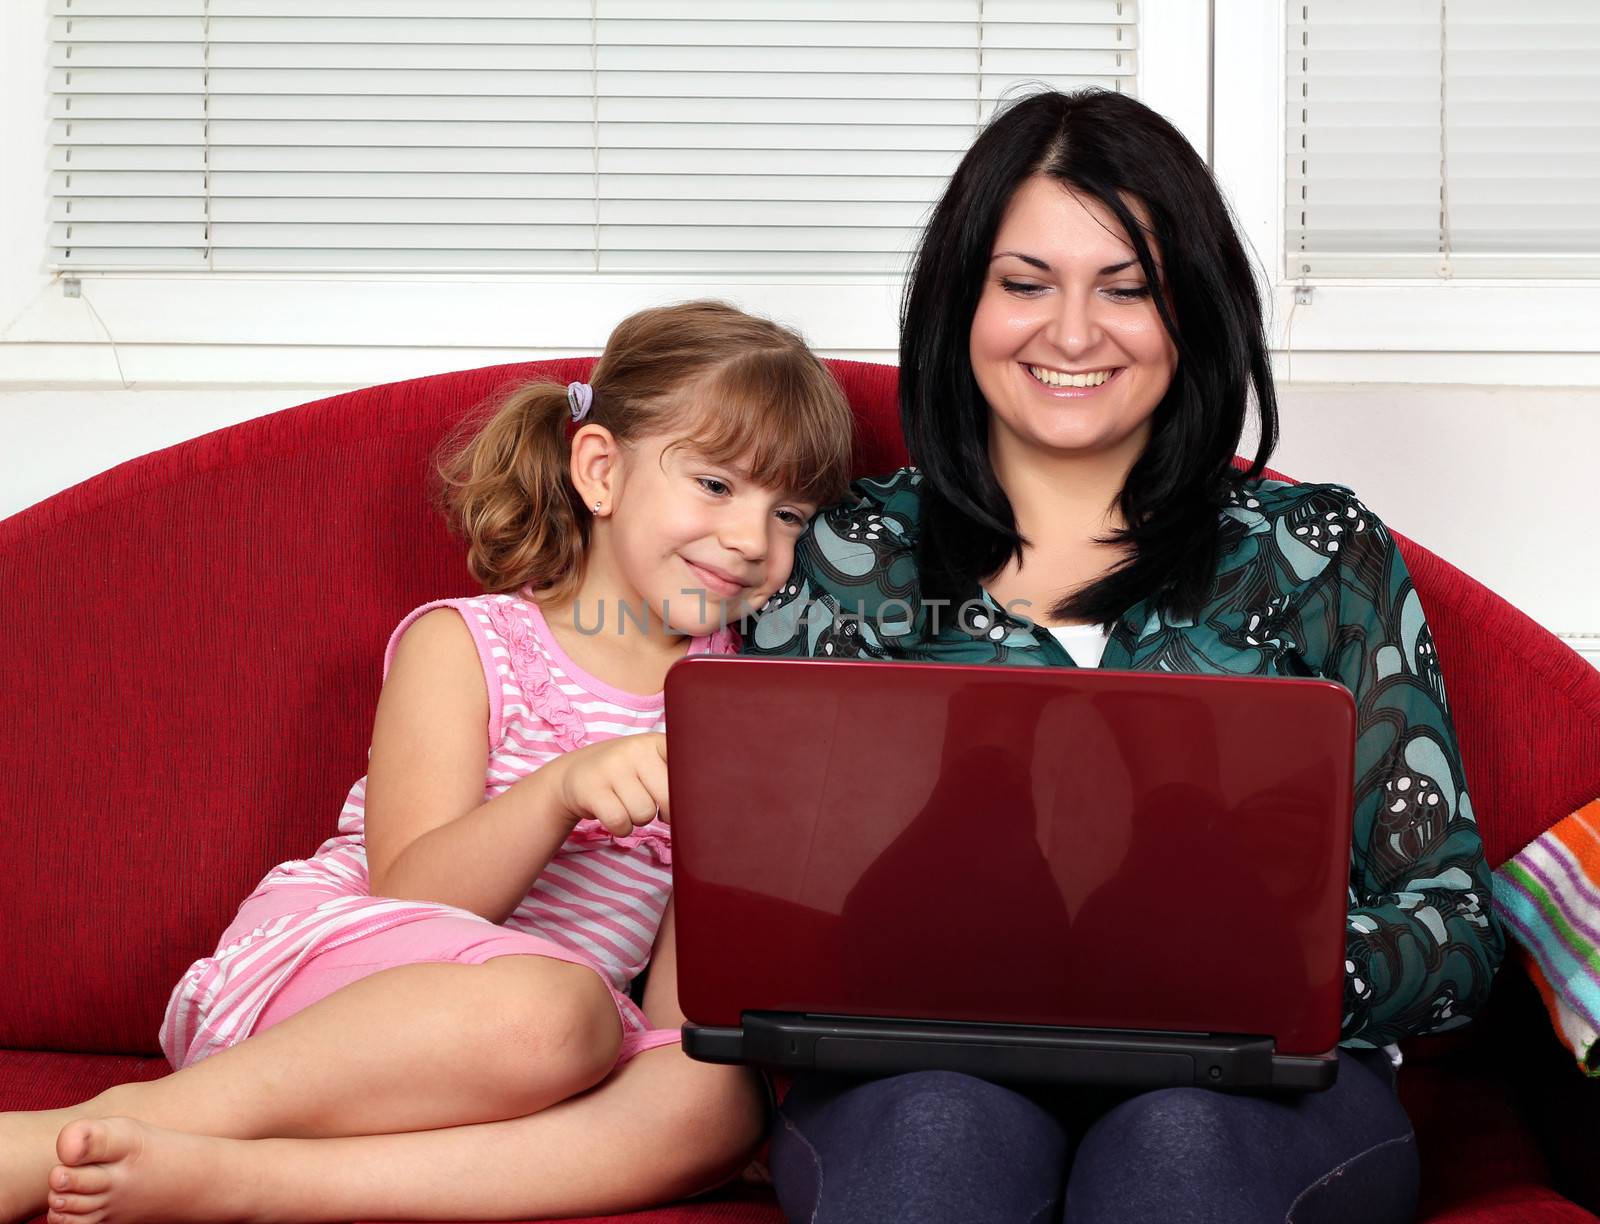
[(597, 507)]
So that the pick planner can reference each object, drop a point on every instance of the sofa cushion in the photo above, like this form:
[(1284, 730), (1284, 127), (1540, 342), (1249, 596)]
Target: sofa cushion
[(31, 1079), (1488, 1172), (1513, 1204)]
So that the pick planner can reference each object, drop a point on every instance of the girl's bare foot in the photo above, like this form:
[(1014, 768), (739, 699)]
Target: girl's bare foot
[(27, 1151), (117, 1169)]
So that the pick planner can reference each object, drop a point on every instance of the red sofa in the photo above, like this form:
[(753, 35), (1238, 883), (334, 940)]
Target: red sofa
[(191, 647)]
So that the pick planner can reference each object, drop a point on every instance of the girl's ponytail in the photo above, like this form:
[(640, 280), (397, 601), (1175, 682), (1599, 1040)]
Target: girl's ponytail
[(740, 389), (507, 492)]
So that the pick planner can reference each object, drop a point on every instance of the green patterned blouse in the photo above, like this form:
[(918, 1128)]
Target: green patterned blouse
[(1309, 583)]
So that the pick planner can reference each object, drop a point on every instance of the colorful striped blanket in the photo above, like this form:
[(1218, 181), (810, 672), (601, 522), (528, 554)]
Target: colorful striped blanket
[(1548, 895)]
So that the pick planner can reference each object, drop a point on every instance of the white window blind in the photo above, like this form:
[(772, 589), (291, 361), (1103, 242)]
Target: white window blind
[(1440, 138), (515, 135)]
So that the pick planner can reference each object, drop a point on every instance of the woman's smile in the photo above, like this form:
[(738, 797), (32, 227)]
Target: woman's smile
[(1066, 384)]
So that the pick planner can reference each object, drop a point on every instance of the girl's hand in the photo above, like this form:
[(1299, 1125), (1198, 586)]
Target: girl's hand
[(620, 782)]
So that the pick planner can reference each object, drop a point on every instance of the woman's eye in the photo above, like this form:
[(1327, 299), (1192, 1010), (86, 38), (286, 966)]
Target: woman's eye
[(712, 485), (1129, 293), (1021, 288)]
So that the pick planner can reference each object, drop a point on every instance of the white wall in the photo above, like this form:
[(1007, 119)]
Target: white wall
[(1494, 479), (51, 439), (1497, 480)]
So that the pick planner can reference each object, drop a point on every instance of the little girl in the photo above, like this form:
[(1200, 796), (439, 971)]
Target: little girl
[(430, 1017)]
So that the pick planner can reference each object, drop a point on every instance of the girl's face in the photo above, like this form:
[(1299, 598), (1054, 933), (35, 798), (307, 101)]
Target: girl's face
[(1066, 343), (699, 541)]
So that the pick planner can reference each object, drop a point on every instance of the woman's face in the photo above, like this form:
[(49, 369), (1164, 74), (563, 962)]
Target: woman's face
[(1066, 344)]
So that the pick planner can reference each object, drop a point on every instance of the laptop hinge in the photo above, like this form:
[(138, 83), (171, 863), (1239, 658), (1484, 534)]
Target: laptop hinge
[(1005, 1052)]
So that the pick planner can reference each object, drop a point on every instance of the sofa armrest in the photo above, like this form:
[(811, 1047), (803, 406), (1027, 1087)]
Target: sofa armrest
[(1560, 1104)]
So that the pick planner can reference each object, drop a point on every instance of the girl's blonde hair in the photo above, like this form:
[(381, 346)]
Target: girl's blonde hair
[(736, 388)]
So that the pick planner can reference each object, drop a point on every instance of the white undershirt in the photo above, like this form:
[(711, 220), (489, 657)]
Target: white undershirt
[(1085, 643)]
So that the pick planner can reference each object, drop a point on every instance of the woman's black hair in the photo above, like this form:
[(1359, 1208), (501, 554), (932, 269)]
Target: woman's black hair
[(1111, 147)]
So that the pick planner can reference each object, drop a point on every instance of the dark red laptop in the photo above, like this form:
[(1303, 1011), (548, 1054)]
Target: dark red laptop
[(1031, 874)]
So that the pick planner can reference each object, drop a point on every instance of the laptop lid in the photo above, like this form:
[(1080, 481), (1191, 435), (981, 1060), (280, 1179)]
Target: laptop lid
[(980, 846)]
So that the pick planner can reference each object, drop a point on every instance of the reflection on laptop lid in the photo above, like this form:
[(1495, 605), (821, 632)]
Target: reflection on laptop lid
[(1020, 873)]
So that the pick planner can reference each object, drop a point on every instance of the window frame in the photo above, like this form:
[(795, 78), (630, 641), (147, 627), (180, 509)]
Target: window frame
[(1501, 331), (187, 328), (314, 329)]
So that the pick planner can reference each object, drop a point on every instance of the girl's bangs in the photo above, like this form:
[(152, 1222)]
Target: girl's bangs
[(776, 417)]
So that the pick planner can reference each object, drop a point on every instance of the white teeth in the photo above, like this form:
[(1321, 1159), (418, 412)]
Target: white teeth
[(1055, 378)]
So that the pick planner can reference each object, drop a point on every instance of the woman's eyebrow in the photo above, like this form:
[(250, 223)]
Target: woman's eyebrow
[(1033, 261)]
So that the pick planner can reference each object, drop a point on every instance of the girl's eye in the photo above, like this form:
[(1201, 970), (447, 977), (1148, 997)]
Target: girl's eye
[(791, 518), (1021, 288), (713, 486), (1129, 293)]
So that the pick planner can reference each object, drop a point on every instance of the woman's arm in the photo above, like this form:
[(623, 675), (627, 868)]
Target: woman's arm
[(429, 833), (1422, 942)]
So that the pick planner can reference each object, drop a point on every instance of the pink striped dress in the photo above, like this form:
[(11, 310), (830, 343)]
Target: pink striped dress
[(598, 902)]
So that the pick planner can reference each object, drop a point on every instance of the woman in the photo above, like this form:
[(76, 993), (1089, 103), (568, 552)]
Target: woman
[(1081, 344)]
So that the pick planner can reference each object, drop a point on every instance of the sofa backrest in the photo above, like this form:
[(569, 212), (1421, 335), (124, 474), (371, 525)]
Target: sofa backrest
[(192, 648)]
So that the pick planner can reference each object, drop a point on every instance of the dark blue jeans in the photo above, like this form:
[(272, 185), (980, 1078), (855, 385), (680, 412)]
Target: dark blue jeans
[(934, 1147)]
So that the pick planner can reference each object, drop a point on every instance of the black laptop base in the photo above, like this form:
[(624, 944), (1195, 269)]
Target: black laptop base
[(1009, 1053)]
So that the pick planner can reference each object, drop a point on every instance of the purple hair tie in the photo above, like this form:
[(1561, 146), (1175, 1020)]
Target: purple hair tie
[(580, 398)]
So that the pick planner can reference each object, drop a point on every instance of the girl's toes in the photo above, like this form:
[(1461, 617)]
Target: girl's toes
[(83, 1142), (80, 1179), (76, 1209)]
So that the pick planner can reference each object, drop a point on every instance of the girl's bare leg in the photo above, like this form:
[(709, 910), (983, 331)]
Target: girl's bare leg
[(409, 1048), (661, 1127)]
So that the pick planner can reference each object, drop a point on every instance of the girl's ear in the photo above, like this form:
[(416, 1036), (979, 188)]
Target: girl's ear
[(595, 468)]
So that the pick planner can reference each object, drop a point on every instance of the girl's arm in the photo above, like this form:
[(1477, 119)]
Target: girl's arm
[(430, 835)]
